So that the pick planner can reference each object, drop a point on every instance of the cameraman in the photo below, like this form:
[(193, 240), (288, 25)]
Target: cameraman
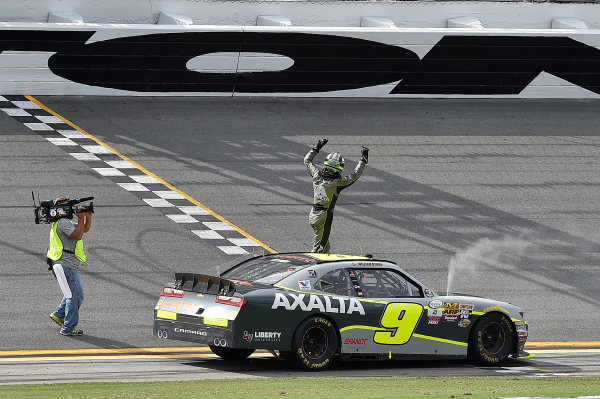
[(65, 256)]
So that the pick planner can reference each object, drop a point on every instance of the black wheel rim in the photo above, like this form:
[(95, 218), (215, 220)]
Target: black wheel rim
[(315, 342), (493, 338)]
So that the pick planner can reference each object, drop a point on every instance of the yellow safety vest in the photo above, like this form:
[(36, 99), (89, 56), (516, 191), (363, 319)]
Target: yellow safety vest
[(56, 246)]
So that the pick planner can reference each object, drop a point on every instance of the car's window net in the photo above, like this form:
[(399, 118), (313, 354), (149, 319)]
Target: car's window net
[(383, 283), (336, 282), (268, 269)]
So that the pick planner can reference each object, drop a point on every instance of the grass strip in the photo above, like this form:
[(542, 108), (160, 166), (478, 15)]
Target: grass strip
[(313, 387)]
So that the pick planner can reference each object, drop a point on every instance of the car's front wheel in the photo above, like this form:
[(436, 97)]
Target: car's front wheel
[(491, 340), (231, 353), (314, 344)]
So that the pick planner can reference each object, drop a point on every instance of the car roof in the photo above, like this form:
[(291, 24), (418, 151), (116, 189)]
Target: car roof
[(258, 267), (307, 258), (301, 264)]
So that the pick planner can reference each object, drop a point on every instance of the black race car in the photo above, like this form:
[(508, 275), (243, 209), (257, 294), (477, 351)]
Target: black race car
[(312, 308)]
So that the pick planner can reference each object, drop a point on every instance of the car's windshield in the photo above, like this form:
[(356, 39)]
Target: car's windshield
[(268, 269)]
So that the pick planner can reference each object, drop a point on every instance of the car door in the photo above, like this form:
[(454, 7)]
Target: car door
[(411, 322)]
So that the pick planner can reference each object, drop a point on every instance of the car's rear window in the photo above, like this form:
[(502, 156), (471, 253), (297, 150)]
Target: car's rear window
[(268, 269)]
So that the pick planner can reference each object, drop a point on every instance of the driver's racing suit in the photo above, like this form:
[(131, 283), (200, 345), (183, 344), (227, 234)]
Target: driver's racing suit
[(325, 193)]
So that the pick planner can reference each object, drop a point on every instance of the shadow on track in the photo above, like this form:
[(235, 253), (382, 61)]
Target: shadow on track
[(271, 366)]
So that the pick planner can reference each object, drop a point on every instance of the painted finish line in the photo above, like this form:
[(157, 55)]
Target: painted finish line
[(130, 176)]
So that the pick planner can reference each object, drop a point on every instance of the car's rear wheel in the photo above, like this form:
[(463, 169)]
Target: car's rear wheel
[(231, 353), (314, 344), (491, 340)]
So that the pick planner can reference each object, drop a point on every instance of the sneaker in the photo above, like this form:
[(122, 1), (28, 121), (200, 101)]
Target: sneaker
[(57, 319), (76, 331)]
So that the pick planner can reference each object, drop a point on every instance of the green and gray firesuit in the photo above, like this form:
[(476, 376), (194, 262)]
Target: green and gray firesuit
[(327, 185)]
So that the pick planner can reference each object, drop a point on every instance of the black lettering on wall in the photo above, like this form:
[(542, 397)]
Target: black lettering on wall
[(148, 63), (470, 65), (157, 63), (324, 63), (500, 65), (43, 40)]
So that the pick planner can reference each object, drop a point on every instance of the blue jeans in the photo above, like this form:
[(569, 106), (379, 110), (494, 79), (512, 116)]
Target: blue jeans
[(69, 307)]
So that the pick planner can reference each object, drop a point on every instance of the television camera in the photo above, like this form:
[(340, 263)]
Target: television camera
[(49, 212)]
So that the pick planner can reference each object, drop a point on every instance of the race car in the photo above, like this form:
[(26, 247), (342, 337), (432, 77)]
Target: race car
[(312, 309)]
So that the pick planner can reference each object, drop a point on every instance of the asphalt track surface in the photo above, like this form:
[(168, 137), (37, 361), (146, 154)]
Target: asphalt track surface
[(517, 181)]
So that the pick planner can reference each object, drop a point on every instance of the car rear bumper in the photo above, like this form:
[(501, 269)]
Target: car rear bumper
[(203, 334)]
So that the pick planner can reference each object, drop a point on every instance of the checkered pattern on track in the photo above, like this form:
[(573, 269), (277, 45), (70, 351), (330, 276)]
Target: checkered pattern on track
[(127, 176)]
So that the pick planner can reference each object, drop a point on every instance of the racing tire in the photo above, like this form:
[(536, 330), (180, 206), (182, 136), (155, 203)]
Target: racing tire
[(314, 344), (491, 340), (234, 354)]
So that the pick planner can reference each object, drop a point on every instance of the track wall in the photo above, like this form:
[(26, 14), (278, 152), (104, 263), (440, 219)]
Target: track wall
[(226, 60)]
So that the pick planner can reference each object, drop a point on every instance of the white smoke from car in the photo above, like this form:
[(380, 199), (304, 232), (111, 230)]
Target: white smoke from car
[(487, 252)]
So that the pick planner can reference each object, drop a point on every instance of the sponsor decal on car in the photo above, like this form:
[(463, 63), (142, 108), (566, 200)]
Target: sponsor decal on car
[(262, 336), (521, 325), (435, 312), (316, 302), (436, 303), (355, 341), (495, 307), (450, 305), (453, 312), (304, 284), (464, 322), (465, 314), (434, 320), (428, 292), (450, 315), (451, 318), (179, 306)]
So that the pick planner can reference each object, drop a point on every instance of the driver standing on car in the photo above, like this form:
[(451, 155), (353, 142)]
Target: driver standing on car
[(328, 182), (65, 254)]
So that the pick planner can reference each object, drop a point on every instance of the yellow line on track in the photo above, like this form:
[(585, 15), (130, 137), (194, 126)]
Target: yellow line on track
[(116, 357), (100, 357), (147, 172), (103, 351), (580, 350), (563, 344)]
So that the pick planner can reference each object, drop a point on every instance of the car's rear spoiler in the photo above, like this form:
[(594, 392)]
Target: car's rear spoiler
[(204, 284)]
